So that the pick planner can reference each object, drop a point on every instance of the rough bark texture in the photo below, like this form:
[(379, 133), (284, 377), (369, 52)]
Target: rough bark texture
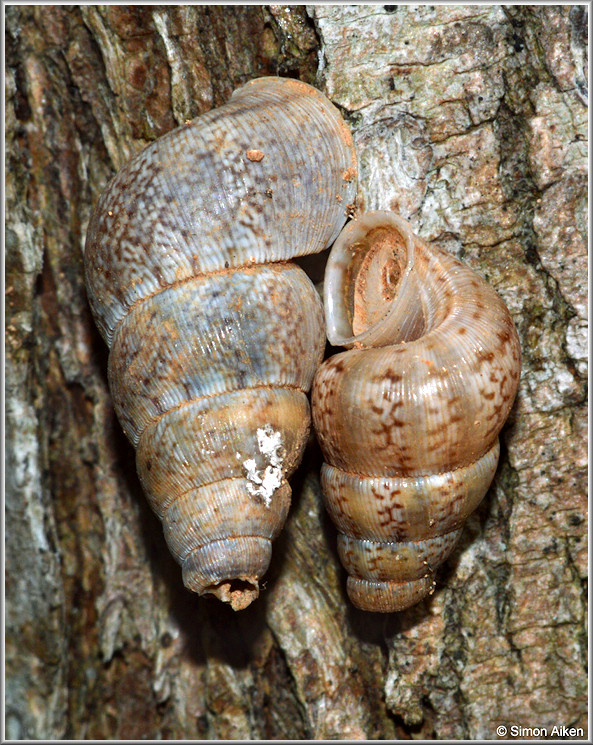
[(469, 120)]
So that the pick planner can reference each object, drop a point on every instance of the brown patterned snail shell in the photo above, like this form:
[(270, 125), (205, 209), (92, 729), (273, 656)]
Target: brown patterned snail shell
[(408, 418), (214, 334)]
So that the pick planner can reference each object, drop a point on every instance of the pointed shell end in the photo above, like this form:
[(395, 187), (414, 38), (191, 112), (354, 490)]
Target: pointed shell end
[(238, 593), (388, 597), (230, 569)]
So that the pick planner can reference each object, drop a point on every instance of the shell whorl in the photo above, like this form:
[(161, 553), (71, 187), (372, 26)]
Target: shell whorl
[(408, 418), (214, 335)]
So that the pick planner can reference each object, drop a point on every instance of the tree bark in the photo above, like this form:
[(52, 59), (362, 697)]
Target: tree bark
[(471, 121)]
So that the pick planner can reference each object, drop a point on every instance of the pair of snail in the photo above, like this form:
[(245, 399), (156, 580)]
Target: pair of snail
[(216, 337)]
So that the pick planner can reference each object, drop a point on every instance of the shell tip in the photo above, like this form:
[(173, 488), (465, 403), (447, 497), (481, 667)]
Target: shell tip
[(389, 596), (238, 593)]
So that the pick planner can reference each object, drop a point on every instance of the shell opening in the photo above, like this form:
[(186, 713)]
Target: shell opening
[(371, 297), (378, 262)]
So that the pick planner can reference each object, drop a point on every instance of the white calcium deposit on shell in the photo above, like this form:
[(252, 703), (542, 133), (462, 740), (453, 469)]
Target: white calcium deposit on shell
[(264, 483)]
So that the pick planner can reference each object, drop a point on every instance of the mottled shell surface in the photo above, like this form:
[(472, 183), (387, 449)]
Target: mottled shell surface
[(408, 418), (214, 335)]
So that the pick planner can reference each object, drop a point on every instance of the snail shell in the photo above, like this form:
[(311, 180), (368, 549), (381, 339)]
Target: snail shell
[(408, 418), (214, 335)]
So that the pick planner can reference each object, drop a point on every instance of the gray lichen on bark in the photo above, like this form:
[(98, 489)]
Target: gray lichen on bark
[(471, 122)]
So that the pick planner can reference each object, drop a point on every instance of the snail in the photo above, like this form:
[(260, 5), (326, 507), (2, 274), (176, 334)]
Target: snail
[(214, 333), (408, 417)]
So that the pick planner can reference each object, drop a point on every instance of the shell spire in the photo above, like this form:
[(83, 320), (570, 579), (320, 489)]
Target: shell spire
[(214, 334), (407, 419)]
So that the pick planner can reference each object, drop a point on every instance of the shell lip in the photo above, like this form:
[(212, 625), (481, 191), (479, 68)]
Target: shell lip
[(339, 323)]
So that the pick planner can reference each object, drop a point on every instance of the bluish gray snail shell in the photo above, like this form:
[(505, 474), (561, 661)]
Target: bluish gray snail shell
[(214, 335), (408, 418)]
